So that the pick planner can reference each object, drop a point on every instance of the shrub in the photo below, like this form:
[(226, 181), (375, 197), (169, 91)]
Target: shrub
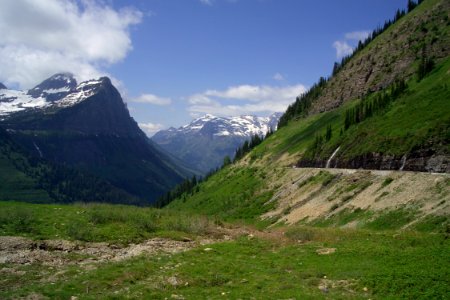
[(18, 220), (300, 234)]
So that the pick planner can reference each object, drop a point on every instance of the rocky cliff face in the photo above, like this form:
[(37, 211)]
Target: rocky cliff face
[(422, 160), (88, 126)]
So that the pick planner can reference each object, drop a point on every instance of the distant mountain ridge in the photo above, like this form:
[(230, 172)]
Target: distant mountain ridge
[(205, 141), (87, 126)]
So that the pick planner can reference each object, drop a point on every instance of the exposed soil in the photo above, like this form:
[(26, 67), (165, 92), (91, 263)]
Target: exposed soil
[(350, 189), (24, 251)]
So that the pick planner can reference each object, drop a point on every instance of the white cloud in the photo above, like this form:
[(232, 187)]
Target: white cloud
[(150, 128), (278, 77), (342, 48), (357, 35), (207, 2), (211, 2), (40, 38), (152, 99), (250, 99)]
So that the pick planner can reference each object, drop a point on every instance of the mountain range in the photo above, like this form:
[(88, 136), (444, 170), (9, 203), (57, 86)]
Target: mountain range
[(88, 127), (205, 141)]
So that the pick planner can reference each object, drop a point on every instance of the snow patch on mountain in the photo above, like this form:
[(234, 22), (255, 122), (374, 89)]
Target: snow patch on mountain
[(58, 91), (243, 126), (13, 101)]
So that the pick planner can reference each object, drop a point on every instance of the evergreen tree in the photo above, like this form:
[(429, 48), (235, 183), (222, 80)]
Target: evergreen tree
[(226, 161), (329, 133), (411, 5)]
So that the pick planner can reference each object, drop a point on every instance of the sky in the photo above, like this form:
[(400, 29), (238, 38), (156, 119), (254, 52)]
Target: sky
[(175, 60)]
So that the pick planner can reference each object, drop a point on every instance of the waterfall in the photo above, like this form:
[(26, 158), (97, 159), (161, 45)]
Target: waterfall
[(332, 156), (38, 149), (403, 162)]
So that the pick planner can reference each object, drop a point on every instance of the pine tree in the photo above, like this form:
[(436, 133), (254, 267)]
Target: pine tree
[(226, 161), (329, 133), (411, 5)]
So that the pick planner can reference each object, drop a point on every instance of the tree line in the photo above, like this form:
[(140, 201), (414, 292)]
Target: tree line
[(367, 108), (303, 102)]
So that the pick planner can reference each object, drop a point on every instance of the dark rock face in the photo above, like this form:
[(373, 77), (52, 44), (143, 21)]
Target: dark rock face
[(418, 161), (97, 135), (2, 86)]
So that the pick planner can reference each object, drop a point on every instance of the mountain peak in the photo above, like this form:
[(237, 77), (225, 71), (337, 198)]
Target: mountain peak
[(55, 87), (2, 86), (59, 90)]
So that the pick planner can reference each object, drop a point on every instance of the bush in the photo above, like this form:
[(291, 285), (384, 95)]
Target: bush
[(386, 182), (300, 234), (79, 230), (18, 220), (188, 224)]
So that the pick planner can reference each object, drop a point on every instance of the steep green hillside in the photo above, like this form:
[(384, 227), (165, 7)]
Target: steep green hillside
[(418, 119), (405, 125), (416, 123), (27, 178)]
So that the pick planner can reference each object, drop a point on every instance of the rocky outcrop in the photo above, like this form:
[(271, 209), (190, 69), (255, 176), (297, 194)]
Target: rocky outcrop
[(418, 161)]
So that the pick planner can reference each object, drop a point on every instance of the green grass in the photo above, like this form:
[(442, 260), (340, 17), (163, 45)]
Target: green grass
[(97, 222), (385, 220), (393, 219), (433, 224), (232, 194), (365, 265)]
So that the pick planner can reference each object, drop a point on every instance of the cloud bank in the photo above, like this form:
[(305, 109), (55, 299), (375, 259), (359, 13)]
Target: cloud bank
[(40, 38), (150, 128), (152, 99), (244, 99)]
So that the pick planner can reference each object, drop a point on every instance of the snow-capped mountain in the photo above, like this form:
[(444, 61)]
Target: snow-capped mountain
[(60, 90), (243, 126), (87, 126), (205, 141)]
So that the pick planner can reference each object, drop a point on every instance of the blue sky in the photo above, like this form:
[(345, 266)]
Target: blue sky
[(174, 60)]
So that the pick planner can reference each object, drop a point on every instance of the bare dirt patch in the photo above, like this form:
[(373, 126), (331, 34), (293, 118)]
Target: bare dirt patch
[(23, 251), (372, 190)]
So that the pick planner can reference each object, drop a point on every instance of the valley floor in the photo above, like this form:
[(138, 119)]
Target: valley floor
[(215, 261)]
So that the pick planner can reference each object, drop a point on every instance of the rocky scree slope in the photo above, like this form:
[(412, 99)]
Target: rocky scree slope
[(392, 55)]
